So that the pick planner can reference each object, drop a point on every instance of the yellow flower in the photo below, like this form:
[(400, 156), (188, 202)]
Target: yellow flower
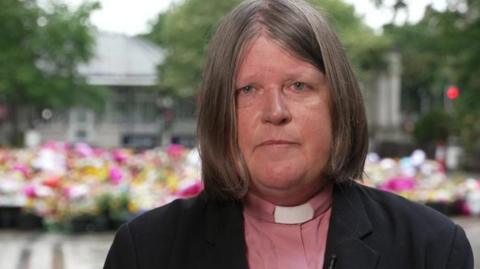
[(172, 182), (132, 207)]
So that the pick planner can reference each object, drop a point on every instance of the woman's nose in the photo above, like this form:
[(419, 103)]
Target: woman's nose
[(275, 109)]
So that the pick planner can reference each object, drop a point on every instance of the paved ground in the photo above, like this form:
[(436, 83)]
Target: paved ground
[(30, 250), (472, 228)]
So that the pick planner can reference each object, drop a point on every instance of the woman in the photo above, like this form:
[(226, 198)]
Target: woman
[(283, 136)]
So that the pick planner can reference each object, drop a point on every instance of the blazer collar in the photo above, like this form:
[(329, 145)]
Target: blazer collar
[(224, 236), (349, 226)]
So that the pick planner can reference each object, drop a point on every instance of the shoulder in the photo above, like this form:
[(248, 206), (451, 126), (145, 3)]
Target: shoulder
[(382, 206), (147, 240), (414, 227), (167, 217)]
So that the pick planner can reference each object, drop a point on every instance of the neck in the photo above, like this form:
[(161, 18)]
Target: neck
[(288, 197), (257, 207)]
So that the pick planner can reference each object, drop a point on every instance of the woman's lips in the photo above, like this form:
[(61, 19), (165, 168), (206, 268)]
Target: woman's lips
[(276, 142), (276, 149)]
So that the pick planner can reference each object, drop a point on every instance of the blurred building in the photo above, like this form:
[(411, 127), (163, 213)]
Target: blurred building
[(135, 115), (382, 94)]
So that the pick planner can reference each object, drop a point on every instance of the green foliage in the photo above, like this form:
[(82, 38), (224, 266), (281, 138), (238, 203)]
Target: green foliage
[(39, 54), (66, 40), (18, 24), (467, 117), (432, 127), (115, 206), (364, 48), (184, 30), (438, 51), (40, 51), (422, 71)]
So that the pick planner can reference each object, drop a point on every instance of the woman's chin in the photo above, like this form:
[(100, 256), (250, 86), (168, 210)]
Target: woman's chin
[(279, 178)]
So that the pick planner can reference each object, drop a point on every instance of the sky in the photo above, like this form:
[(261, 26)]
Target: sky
[(132, 17)]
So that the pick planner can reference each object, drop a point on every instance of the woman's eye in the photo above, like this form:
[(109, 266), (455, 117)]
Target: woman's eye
[(246, 90), (299, 86)]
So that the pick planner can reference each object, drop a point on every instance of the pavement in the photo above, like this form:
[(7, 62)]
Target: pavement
[(34, 250), (38, 250), (472, 229)]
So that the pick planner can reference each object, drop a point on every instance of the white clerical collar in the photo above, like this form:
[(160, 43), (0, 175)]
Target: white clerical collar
[(293, 214), (266, 211)]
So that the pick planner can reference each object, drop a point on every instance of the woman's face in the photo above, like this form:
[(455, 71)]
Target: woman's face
[(284, 126)]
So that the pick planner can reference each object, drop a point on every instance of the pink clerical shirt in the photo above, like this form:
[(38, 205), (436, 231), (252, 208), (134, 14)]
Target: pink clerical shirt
[(272, 244)]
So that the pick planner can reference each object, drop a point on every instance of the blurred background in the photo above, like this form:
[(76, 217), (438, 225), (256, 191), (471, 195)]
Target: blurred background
[(97, 112)]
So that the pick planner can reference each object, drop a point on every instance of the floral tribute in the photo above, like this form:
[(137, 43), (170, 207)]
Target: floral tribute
[(77, 187)]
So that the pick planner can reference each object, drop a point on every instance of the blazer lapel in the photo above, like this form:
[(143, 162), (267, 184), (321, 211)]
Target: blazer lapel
[(349, 225), (225, 244)]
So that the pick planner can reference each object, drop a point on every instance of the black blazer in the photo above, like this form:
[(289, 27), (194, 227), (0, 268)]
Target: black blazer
[(368, 229)]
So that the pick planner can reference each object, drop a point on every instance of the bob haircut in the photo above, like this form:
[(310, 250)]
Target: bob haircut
[(302, 30)]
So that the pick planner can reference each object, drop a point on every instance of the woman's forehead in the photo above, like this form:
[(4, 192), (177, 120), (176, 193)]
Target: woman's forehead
[(263, 50)]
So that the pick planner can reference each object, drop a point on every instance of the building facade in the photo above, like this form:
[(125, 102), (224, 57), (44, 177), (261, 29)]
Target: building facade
[(135, 114)]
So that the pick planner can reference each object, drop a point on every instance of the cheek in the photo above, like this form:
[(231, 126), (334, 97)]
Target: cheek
[(317, 131), (245, 127), (241, 136)]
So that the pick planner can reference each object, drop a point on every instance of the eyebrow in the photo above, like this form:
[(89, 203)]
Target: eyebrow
[(293, 72)]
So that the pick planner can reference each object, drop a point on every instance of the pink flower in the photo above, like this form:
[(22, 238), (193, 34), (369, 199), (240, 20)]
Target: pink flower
[(190, 190), (84, 150), (175, 151), (22, 168), (120, 156), (399, 184), (99, 152), (29, 191), (50, 145), (116, 175)]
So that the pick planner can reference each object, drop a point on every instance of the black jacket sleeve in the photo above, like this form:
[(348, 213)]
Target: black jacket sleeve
[(122, 253), (461, 256)]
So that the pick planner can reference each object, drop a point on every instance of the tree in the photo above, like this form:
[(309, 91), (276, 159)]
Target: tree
[(422, 70), (439, 51), (184, 30), (40, 50), (432, 128)]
